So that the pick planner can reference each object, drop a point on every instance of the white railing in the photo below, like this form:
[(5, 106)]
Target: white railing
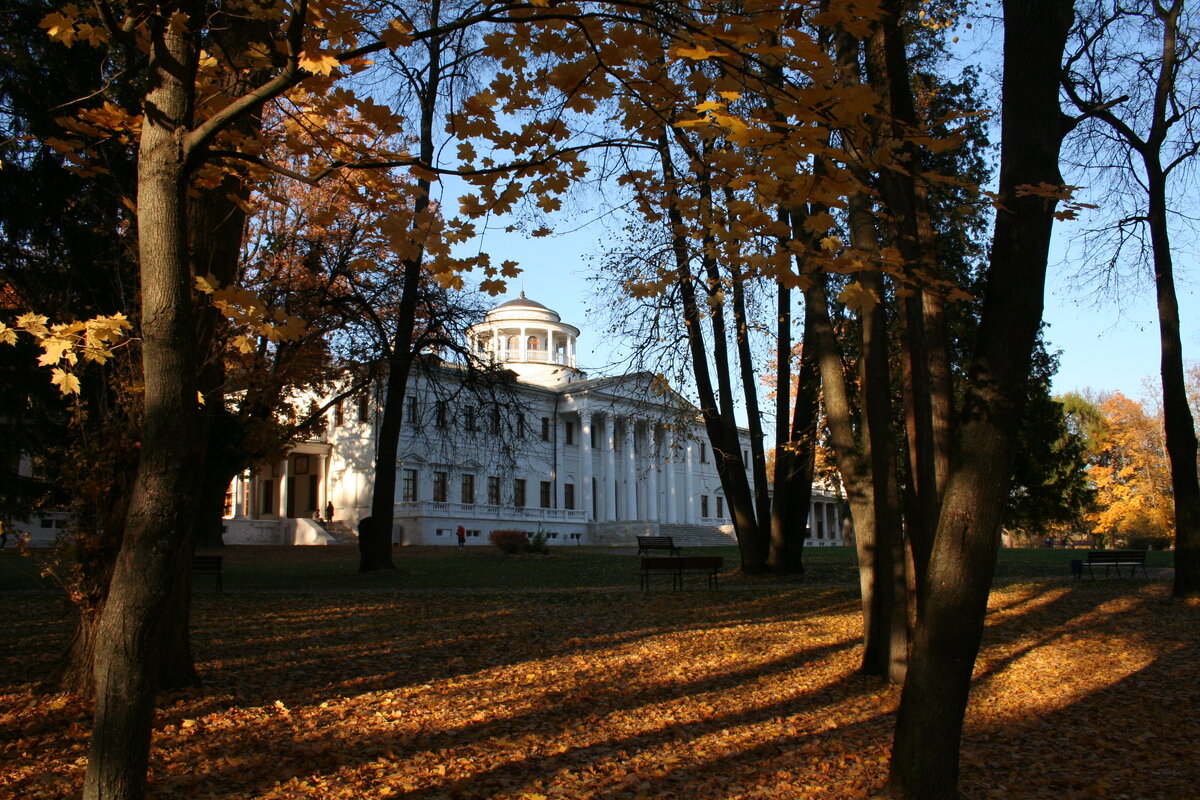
[(487, 511)]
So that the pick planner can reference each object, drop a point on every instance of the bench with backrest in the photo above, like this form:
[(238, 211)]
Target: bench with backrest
[(648, 543), (1116, 558), (676, 566), (208, 565)]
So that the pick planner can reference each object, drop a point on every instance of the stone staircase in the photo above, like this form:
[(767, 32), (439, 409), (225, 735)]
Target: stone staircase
[(699, 535), (341, 532)]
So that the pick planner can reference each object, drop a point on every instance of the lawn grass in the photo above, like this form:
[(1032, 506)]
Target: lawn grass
[(334, 569)]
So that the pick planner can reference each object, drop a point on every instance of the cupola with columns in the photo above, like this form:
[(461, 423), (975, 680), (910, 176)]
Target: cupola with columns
[(529, 339)]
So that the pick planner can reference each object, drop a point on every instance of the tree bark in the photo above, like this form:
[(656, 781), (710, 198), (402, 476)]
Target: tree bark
[(129, 636), (950, 624)]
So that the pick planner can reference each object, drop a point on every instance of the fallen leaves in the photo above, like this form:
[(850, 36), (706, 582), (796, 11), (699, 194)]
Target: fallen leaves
[(737, 694)]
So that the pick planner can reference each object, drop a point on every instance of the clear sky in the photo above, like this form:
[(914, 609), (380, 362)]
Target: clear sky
[(1104, 347)]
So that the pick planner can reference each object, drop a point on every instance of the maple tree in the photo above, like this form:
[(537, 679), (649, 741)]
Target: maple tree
[(1130, 473)]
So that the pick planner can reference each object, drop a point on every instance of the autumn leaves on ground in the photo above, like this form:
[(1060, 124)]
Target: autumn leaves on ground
[(1083, 689)]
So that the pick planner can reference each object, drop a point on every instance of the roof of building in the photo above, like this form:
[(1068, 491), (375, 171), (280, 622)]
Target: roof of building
[(523, 301)]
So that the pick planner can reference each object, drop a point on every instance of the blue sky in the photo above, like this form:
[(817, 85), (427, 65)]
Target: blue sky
[(1103, 348)]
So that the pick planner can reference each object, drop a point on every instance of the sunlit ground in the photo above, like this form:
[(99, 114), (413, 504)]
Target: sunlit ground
[(1084, 689)]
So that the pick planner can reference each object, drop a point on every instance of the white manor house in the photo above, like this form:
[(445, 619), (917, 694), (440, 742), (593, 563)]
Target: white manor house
[(593, 461)]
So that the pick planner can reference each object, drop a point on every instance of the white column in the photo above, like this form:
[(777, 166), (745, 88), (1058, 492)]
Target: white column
[(672, 512), (496, 352), (630, 472), (322, 483), (584, 494), (612, 485), (812, 519), (524, 344), (689, 482), (653, 500), (283, 483), (559, 467)]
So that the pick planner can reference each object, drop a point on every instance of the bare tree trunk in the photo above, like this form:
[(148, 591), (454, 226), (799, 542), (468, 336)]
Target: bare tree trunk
[(728, 464), (950, 624), (1179, 426), (129, 637), (758, 457), (375, 537), (795, 444)]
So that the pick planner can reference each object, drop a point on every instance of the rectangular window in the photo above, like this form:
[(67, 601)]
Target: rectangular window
[(410, 410), (469, 421), (720, 506), (703, 454), (704, 505), (440, 414), (519, 492), (493, 490), (545, 429), (364, 407), (495, 420), (339, 415), (519, 422), (268, 497), (408, 486), (745, 456), (546, 501), (468, 489), (439, 487), (592, 435), (569, 495), (569, 432)]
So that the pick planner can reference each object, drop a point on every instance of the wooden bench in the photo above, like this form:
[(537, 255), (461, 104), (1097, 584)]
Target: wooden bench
[(208, 565), (678, 565), (1116, 558), (648, 543)]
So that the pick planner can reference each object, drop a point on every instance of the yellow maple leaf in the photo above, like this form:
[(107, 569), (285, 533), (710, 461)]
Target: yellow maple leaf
[(697, 53), (65, 381), (318, 63), (858, 297), (7, 334)]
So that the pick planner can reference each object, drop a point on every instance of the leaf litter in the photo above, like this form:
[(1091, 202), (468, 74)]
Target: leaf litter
[(1081, 691)]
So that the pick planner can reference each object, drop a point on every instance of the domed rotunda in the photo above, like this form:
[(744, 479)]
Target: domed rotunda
[(529, 339)]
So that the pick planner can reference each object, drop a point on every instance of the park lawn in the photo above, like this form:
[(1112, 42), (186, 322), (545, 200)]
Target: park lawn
[(750, 693), (308, 569)]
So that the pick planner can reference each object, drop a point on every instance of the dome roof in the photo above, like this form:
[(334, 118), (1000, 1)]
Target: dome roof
[(512, 309), (522, 301)]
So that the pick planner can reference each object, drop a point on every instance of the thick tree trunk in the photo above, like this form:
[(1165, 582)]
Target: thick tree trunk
[(129, 637), (950, 625), (1179, 426), (795, 445), (874, 580)]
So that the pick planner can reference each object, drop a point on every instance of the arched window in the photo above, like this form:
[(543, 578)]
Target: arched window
[(532, 344), (513, 343)]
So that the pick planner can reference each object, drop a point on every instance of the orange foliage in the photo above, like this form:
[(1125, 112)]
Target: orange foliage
[(1131, 473)]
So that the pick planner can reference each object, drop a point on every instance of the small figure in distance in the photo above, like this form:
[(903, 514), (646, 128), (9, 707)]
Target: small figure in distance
[(329, 511), (462, 536)]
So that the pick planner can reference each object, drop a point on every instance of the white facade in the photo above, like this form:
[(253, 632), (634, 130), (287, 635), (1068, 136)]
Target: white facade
[(589, 461)]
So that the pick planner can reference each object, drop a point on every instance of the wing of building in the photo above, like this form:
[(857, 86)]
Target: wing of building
[(532, 444)]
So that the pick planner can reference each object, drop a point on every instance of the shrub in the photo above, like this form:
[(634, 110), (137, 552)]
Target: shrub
[(509, 541), (1149, 543), (538, 544)]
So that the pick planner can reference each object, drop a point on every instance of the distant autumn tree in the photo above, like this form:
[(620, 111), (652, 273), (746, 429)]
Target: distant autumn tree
[(1131, 474)]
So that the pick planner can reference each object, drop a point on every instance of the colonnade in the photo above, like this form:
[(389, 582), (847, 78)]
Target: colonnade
[(645, 470)]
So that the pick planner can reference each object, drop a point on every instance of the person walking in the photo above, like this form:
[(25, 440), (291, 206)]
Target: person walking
[(329, 511), (462, 536)]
